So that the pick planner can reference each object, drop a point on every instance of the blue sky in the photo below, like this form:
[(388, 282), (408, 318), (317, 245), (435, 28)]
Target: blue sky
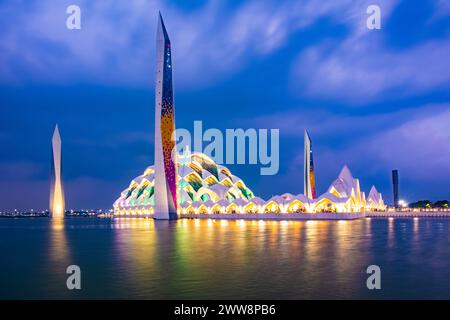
[(372, 99)]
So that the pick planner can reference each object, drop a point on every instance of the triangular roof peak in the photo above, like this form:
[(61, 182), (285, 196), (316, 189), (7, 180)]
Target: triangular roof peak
[(346, 175), (374, 195)]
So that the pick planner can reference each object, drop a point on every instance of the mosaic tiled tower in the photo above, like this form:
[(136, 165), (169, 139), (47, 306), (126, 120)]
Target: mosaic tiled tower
[(165, 162), (56, 188), (309, 179)]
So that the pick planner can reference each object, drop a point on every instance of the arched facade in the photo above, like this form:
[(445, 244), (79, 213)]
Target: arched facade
[(207, 188), (296, 206)]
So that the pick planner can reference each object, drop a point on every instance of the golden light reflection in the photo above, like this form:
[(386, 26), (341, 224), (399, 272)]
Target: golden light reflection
[(59, 251), (137, 245), (57, 224), (215, 251)]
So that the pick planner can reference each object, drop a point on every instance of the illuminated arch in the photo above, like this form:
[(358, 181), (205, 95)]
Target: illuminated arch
[(190, 210), (296, 206), (216, 209), (232, 208), (202, 209), (251, 208), (272, 207), (325, 205)]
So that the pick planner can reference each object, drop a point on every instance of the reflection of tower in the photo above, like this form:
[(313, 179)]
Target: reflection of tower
[(165, 161), (395, 186), (56, 187), (309, 179)]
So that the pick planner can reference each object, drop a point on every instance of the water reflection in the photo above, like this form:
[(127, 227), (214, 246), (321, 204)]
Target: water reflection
[(186, 258), (234, 259), (59, 255), (59, 251), (416, 228), (136, 245)]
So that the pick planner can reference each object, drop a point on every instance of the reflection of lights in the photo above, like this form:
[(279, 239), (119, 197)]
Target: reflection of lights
[(58, 224), (242, 223), (416, 226)]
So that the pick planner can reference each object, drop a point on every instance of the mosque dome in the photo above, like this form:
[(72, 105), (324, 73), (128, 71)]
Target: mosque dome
[(200, 179)]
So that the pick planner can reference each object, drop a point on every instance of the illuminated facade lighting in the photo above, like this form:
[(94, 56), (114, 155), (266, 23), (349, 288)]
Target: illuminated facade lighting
[(57, 205), (193, 184), (207, 188)]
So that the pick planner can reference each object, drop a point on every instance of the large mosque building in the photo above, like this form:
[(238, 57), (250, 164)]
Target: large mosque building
[(193, 184)]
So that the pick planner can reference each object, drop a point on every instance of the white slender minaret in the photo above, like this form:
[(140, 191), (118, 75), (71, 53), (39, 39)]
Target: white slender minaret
[(308, 177), (57, 206), (165, 162)]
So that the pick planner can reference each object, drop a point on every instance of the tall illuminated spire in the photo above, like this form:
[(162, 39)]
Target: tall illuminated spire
[(57, 205), (309, 178), (165, 163)]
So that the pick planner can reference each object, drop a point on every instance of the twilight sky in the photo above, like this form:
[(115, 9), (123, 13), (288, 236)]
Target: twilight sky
[(372, 99)]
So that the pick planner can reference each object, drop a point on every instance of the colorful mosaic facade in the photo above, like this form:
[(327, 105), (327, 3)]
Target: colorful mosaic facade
[(165, 163), (309, 183)]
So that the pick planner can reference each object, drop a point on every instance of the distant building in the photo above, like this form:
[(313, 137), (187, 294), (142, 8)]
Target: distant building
[(165, 162), (395, 187), (57, 205), (309, 183)]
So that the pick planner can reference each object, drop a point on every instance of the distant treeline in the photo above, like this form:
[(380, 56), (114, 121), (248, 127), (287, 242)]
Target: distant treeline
[(427, 204)]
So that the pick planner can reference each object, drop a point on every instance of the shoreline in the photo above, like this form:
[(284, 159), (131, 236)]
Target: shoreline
[(273, 216), (409, 214), (279, 216)]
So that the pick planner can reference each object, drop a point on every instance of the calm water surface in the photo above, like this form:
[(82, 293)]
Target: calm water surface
[(206, 259)]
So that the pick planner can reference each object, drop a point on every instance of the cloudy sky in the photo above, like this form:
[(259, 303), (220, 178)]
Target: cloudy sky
[(375, 100)]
